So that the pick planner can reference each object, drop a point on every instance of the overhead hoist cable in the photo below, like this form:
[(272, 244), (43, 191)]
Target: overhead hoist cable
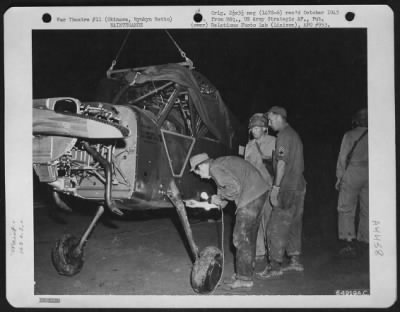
[(183, 54), (114, 62), (222, 251)]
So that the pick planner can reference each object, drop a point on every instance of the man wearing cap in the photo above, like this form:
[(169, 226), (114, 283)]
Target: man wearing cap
[(352, 184), (259, 153), (287, 197), (239, 181)]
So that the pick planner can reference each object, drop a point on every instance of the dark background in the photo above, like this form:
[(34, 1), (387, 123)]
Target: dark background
[(319, 76)]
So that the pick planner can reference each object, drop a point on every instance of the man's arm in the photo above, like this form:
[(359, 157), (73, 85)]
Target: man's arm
[(281, 155), (228, 186), (280, 172), (341, 162)]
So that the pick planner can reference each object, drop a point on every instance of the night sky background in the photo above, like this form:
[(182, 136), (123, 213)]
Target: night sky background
[(318, 75)]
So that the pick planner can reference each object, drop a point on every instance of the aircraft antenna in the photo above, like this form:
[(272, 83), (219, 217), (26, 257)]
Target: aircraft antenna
[(114, 62), (183, 54)]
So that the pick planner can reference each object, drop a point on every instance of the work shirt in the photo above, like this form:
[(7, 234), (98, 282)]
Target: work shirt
[(237, 180), (359, 157), (252, 154), (289, 148)]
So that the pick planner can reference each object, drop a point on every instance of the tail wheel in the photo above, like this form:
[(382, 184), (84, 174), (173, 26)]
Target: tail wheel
[(65, 260), (207, 270)]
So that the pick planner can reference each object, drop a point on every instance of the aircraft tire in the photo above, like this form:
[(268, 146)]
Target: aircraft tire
[(207, 270), (63, 260)]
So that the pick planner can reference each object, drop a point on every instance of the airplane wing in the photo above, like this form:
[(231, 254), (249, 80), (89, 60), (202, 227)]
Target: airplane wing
[(49, 122)]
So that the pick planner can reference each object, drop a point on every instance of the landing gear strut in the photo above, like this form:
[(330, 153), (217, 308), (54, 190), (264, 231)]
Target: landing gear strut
[(208, 264), (67, 255)]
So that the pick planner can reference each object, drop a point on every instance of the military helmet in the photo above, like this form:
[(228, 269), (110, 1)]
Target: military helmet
[(258, 120)]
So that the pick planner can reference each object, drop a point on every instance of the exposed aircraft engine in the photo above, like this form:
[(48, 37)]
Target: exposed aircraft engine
[(73, 165)]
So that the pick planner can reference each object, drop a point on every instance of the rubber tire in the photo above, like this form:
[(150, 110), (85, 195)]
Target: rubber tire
[(207, 270), (62, 259)]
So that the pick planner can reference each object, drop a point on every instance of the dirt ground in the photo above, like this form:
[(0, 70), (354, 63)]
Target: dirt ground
[(147, 254)]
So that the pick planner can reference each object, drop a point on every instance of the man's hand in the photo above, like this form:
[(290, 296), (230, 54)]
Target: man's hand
[(337, 184), (273, 196), (216, 200)]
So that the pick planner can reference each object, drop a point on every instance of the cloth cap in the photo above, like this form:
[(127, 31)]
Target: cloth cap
[(278, 110), (197, 160), (258, 120)]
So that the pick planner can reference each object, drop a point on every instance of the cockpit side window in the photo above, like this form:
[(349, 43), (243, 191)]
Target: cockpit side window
[(199, 128)]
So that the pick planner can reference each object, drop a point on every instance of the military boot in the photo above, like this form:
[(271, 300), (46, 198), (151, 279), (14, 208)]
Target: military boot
[(272, 270), (294, 265)]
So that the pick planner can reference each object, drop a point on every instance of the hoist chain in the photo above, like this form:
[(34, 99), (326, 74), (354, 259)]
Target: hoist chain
[(183, 54), (114, 62)]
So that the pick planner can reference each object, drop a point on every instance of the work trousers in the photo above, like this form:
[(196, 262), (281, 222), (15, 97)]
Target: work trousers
[(245, 236), (354, 189), (261, 249), (285, 225)]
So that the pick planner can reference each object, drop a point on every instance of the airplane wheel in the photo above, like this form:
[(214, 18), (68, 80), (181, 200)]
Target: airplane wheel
[(65, 262), (207, 270)]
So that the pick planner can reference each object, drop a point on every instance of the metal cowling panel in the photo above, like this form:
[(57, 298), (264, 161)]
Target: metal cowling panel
[(148, 171)]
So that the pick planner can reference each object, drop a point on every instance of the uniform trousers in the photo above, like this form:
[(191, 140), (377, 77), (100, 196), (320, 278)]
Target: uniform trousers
[(354, 189), (261, 249), (285, 226), (245, 231)]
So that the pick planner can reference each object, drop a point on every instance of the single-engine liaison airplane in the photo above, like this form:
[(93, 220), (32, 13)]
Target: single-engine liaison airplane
[(131, 152)]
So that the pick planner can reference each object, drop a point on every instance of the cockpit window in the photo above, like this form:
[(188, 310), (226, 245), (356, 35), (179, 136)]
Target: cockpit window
[(179, 148)]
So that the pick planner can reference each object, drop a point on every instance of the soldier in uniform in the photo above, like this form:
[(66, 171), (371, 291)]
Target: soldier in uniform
[(286, 196), (352, 184), (259, 153), (237, 180)]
